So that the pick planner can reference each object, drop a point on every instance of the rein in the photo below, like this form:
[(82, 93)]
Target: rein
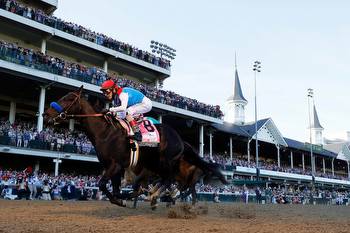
[(65, 116), (63, 112)]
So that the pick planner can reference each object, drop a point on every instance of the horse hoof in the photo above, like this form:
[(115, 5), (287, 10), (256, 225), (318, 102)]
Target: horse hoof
[(119, 202)]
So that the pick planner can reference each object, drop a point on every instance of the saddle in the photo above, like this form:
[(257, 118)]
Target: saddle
[(150, 134)]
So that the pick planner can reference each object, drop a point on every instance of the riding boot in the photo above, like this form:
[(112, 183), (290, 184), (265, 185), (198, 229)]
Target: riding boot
[(137, 134)]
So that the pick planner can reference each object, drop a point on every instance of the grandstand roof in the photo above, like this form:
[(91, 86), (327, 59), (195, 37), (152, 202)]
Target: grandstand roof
[(301, 146), (237, 90), (247, 130), (341, 149), (250, 126), (231, 128)]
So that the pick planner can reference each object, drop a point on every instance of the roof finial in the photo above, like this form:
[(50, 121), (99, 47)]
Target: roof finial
[(235, 60)]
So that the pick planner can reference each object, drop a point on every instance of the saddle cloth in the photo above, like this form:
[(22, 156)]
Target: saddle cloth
[(150, 134)]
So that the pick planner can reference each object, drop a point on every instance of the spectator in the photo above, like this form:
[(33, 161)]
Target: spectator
[(80, 31), (37, 60), (32, 183), (216, 197), (46, 191)]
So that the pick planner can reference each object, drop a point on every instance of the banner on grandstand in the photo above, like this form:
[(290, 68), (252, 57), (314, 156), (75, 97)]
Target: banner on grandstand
[(316, 148)]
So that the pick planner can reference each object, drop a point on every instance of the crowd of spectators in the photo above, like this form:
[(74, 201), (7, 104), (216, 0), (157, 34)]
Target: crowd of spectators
[(37, 60), (282, 194), (173, 99), (30, 185), (25, 135), (228, 164), (82, 32)]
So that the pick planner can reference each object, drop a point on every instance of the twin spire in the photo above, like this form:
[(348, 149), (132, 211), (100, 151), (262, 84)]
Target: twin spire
[(236, 103), (315, 123), (237, 89)]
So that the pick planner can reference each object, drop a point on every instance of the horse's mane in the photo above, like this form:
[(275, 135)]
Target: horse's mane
[(97, 104)]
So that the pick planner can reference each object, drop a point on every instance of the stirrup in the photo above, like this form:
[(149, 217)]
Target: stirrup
[(133, 146), (137, 136)]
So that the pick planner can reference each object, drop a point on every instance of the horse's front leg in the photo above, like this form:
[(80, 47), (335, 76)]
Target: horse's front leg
[(194, 194), (113, 169), (116, 182)]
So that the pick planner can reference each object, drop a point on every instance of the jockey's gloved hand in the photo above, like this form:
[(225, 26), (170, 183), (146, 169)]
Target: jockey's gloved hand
[(105, 111), (110, 114)]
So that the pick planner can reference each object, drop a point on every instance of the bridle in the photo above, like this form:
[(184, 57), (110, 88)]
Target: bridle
[(63, 113)]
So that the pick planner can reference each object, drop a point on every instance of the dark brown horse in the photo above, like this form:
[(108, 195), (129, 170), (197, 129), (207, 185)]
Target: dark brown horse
[(188, 171), (112, 144)]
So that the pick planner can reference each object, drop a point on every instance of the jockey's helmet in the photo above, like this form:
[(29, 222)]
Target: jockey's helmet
[(108, 84)]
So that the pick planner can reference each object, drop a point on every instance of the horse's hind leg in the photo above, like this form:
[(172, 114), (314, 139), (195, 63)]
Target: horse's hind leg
[(137, 185)]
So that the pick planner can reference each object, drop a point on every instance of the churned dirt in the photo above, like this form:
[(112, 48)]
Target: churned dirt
[(76, 216)]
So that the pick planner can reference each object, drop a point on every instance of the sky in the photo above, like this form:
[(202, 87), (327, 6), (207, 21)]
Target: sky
[(301, 44)]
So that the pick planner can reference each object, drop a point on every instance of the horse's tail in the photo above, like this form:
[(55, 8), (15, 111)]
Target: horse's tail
[(192, 157)]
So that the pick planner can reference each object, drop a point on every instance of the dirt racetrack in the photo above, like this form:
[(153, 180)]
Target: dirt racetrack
[(91, 216)]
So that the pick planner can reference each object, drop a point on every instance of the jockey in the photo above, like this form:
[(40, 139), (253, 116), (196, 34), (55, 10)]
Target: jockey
[(132, 103)]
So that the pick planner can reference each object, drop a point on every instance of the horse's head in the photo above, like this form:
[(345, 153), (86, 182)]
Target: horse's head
[(68, 104)]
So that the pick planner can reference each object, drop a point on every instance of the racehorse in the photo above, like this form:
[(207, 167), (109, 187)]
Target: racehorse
[(112, 143), (188, 171)]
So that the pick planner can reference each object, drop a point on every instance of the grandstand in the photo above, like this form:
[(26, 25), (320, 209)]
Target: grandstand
[(42, 57)]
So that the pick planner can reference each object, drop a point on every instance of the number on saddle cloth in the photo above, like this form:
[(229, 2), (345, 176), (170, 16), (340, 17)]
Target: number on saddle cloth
[(148, 125), (149, 131)]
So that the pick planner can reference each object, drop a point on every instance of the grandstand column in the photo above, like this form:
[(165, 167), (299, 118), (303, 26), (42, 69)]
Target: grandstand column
[(313, 167), (43, 46), (12, 113), (278, 155), (201, 141), (71, 124), (291, 159), (211, 145), (303, 161), (333, 166), (160, 118), (348, 169), (41, 109), (324, 166), (231, 152), (37, 166), (105, 66), (57, 162), (248, 150)]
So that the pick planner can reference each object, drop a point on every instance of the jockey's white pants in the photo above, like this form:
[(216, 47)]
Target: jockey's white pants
[(141, 108)]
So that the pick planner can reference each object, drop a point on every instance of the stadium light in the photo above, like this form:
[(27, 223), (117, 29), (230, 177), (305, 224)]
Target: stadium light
[(256, 69), (310, 96), (163, 50)]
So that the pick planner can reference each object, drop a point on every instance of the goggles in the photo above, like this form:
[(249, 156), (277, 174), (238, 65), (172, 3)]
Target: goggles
[(106, 91)]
